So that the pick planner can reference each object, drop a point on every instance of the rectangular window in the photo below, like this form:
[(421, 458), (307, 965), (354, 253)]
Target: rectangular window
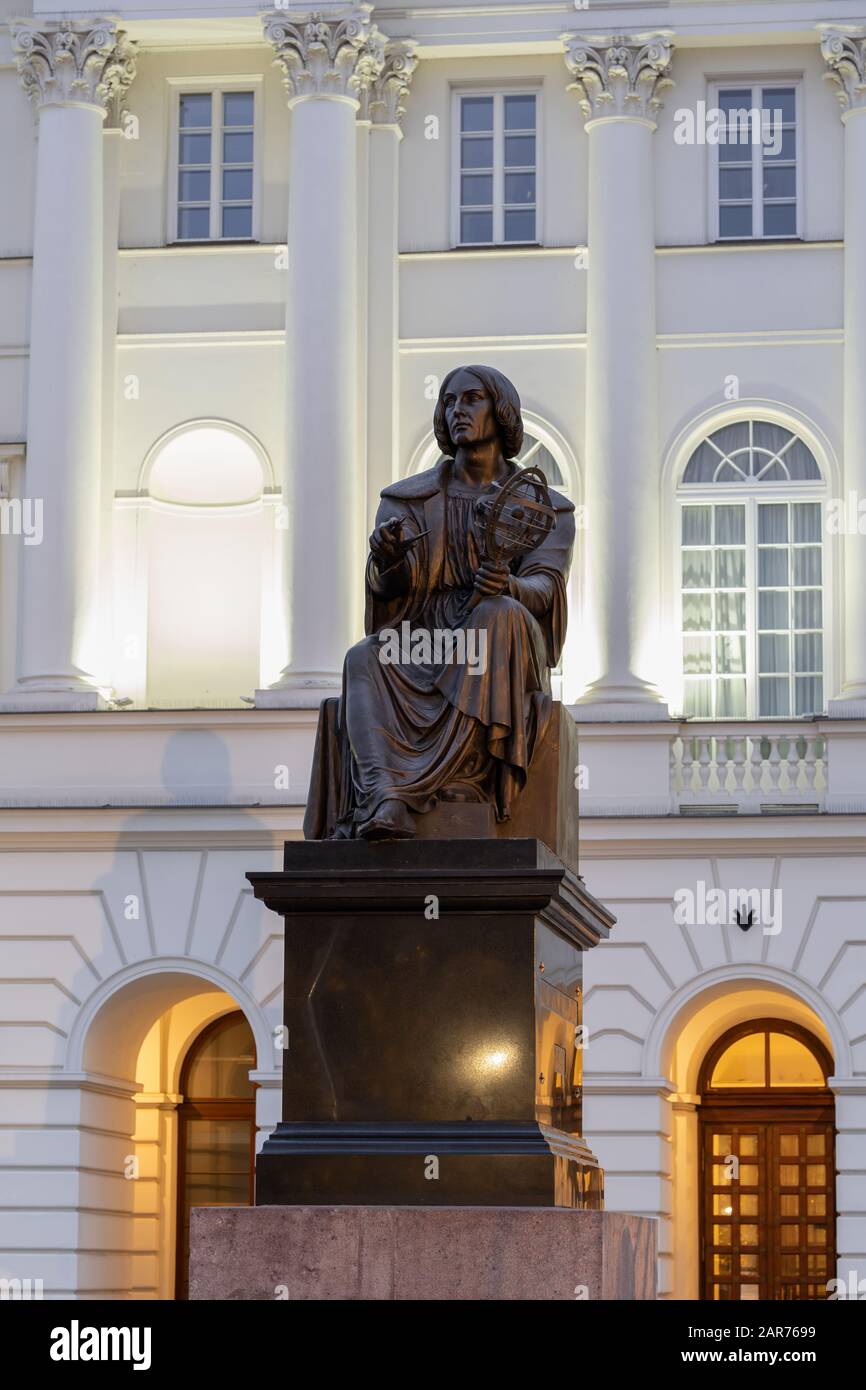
[(752, 610), (214, 193), (496, 165), (756, 162)]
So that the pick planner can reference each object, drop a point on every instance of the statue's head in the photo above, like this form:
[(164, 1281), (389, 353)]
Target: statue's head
[(474, 404)]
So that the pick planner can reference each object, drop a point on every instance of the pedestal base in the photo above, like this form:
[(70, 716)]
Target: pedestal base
[(420, 1253)]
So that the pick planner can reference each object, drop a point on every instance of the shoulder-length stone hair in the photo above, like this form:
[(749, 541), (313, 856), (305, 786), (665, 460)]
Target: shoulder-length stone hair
[(506, 408)]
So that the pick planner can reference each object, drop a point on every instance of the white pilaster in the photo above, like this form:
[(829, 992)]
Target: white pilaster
[(325, 63), (844, 51), (71, 71), (386, 99), (618, 81)]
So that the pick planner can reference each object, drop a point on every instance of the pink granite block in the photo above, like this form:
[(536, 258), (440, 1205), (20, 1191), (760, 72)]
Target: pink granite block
[(420, 1253)]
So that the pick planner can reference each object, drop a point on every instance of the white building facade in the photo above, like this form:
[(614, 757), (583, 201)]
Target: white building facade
[(238, 252)]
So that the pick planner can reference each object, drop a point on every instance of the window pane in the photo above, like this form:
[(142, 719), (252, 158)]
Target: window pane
[(238, 108), (735, 220), (520, 113), (698, 699), (697, 569), (477, 153), (520, 226), (731, 655), (195, 149), (741, 1064), (780, 182), (697, 525), (193, 185), (773, 610), (193, 224), (237, 221), (773, 653), (807, 608), (476, 226), (735, 183), (730, 525), (519, 151), (772, 567), (221, 1063), (195, 110), (809, 652), (772, 523), (792, 1063), (783, 146), (735, 151), (476, 189), (730, 569), (476, 113), (801, 465), (238, 147), (237, 184), (697, 656), (808, 695), (735, 98), (731, 612), (807, 565), (697, 612), (807, 521), (780, 219), (779, 101), (520, 188), (731, 699), (774, 697)]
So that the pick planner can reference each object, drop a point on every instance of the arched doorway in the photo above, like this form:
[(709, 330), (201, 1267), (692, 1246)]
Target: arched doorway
[(767, 1191), (216, 1128)]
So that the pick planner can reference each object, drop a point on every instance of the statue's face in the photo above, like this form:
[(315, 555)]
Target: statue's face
[(469, 412)]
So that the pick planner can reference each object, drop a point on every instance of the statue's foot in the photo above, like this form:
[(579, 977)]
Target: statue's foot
[(392, 821)]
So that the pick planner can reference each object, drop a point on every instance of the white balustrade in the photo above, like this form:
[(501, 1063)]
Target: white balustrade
[(748, 767)]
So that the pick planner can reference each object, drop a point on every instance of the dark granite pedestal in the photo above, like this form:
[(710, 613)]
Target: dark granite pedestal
[(432, 998)]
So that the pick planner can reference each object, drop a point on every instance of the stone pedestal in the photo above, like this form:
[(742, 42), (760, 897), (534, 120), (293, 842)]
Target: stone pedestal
[(432, 1000), (420, 1253)]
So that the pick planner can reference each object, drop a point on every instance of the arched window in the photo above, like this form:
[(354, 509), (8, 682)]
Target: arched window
[(752, 575), (216, 1128)]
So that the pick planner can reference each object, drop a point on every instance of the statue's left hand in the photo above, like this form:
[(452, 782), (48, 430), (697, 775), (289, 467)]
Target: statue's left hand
[(491, 578)]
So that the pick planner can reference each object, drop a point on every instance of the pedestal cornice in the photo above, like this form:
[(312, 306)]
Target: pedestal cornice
[(337, 56), (844, 52), (619, 76), (74, 63)]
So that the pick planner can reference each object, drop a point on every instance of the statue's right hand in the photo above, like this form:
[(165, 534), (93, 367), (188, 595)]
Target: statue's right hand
[(385, 542)]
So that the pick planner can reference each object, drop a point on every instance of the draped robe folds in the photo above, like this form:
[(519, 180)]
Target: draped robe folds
[(409, 731)]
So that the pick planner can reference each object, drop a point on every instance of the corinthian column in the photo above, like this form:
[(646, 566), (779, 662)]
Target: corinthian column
[(844, 51), (618, 82), (386, 107), (325, 62), (71, 71)]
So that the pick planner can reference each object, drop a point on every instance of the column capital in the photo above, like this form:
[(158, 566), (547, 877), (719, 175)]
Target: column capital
[(844, 51), (384, 101), (337, 55), (90, 63), (619, 75)]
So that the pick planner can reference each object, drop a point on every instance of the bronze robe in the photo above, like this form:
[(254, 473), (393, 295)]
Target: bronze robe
[(409, 731)]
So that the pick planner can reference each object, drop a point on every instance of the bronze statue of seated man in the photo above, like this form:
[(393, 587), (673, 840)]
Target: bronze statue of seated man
[(408, 733)]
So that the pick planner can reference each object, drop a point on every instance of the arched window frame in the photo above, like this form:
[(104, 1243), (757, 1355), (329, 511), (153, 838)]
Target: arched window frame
[(679, 494), (749, 1028)]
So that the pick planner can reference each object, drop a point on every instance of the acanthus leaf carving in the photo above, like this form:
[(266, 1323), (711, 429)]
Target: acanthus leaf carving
[(619, 75), (74, 61), (844, 52), (338, 55), (388, 94)]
